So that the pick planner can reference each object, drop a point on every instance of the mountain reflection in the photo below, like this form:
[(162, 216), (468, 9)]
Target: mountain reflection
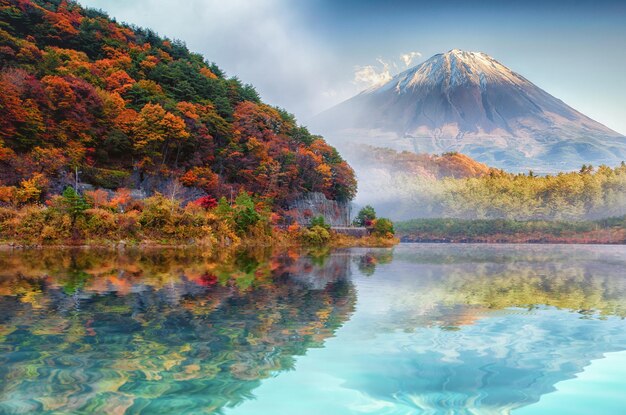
[(468, 329)]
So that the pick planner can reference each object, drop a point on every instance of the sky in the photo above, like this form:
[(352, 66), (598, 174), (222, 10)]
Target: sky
[(308, 55)]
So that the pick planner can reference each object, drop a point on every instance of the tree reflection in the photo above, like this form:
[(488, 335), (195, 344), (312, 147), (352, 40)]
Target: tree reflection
[(158, 331)]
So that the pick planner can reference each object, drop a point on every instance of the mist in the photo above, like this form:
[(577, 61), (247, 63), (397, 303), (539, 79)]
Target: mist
[(596, 193)]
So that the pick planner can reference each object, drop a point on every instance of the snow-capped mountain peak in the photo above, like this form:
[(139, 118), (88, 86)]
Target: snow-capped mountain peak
[(454, 68), (469, 102)]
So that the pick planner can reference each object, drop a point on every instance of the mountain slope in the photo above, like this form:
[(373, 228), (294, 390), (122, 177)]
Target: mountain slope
[(80, 92), (469, 102)]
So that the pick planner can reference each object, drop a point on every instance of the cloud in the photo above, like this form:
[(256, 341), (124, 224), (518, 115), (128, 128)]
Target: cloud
[(369, 76), (409, 57)]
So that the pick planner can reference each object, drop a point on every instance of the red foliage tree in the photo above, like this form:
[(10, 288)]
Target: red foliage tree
[(206, 202)]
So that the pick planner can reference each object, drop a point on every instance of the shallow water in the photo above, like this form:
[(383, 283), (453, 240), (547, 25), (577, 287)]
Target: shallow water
[(418, 329)]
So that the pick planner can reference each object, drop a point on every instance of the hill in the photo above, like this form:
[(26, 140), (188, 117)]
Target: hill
[(471, 103), (453, 164), (124, 107)]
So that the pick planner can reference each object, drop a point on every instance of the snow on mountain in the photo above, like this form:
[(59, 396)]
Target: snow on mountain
[(471, 103)]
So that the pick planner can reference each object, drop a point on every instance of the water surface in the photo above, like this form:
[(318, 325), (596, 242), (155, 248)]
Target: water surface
[(418, 329)]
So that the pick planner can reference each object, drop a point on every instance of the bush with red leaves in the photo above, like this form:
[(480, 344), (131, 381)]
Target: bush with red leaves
[(207, 202)]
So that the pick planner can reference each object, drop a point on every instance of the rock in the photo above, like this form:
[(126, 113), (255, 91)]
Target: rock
[(316, 204)]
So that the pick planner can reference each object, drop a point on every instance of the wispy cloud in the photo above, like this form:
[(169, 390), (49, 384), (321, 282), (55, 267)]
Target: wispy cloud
[(369, 75), (409, 57)]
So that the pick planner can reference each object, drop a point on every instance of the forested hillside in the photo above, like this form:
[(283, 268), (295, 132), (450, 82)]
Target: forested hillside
[(79, 91)]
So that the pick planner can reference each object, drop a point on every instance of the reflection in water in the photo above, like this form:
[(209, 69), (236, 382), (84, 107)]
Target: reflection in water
[(463, 329), (157, 332), (436, 329)]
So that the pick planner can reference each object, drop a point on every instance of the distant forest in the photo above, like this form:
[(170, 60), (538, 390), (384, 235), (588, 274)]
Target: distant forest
[(407, 186), (587, 194)]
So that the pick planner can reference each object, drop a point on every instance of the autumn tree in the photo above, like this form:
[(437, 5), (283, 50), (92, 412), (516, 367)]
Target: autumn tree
[(366, 216), (157, 134)]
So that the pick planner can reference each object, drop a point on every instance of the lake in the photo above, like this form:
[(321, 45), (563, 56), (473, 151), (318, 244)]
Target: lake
[(415, 329)]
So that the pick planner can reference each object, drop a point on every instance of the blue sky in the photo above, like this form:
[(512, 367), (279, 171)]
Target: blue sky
[(309, 55)]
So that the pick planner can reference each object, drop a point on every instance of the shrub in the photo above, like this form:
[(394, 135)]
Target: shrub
[(121, 199), (383, 227), (31, 222), (128, 222), (244, 214), (157, 212), (8, 195), (109, 179), (319, 221), (7, 214), (97, 198), (100, 222), (7, 222), (34, 223), (315, 235), (207, 202)]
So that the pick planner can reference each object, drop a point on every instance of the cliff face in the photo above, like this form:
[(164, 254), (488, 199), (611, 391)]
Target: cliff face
[(316, 204)]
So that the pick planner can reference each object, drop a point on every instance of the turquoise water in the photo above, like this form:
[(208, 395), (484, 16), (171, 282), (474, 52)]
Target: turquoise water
[(417, 329)]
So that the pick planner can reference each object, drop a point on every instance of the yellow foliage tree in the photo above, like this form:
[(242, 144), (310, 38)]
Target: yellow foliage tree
[(157, 131), (30, 190)]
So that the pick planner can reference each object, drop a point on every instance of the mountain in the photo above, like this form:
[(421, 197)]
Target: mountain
[(125, 107), (471, 103)]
